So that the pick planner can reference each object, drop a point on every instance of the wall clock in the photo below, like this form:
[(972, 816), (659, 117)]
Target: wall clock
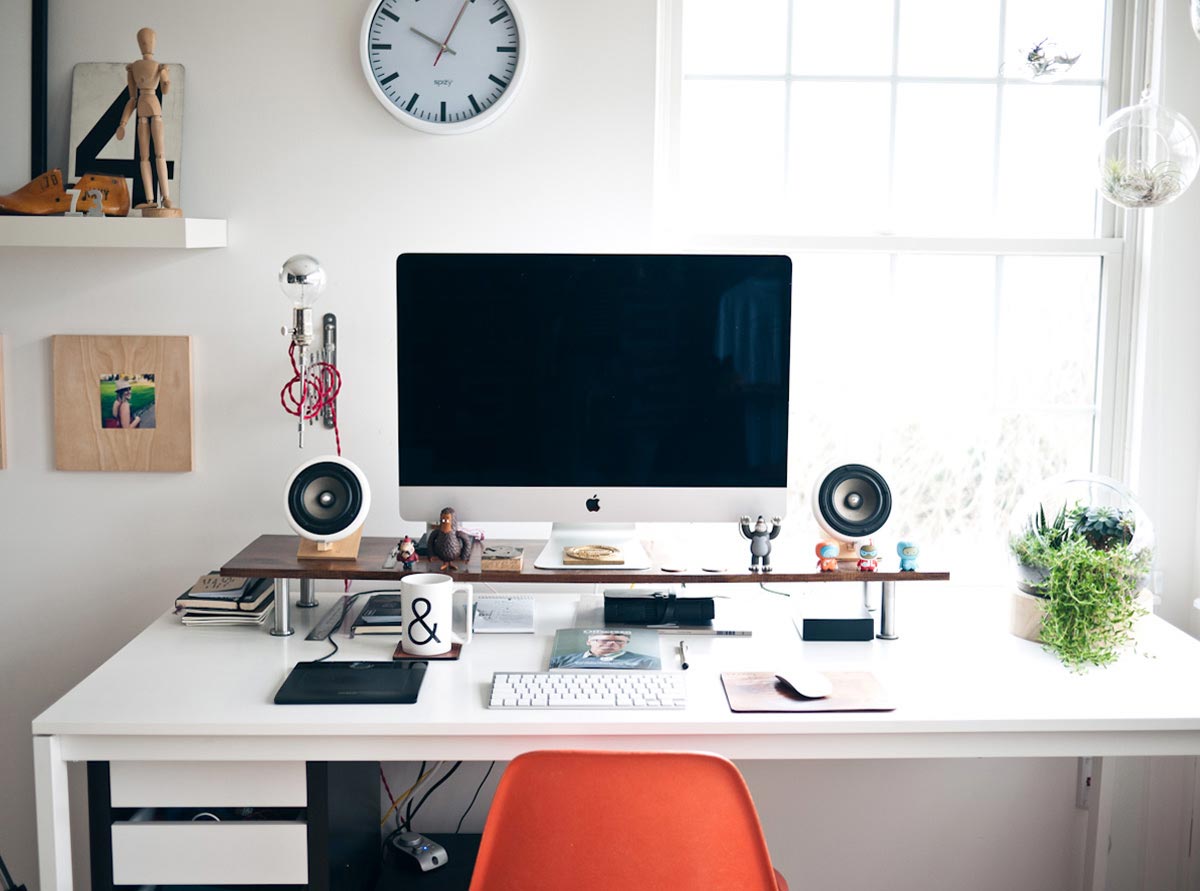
[(443, 66)]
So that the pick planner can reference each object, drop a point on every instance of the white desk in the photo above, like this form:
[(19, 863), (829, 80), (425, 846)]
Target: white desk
[(965, 688)]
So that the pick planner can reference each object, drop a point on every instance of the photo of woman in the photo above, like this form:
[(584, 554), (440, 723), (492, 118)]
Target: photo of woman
[(127, 402)]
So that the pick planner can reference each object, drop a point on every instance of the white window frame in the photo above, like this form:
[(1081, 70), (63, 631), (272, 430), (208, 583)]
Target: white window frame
[(1132, 42)]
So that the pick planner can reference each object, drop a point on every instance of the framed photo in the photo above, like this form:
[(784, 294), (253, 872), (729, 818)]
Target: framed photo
[(122, 403)]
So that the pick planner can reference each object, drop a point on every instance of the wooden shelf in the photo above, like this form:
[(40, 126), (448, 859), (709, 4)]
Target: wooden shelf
[(275, 556), (111, 232)]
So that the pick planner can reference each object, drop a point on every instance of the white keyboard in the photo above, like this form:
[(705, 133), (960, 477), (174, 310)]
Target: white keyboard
[(593, 688)]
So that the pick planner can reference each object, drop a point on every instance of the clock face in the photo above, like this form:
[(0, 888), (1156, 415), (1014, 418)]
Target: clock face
[(442, 66)]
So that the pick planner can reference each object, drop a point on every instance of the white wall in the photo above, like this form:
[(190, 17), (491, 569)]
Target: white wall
[(282, 137)]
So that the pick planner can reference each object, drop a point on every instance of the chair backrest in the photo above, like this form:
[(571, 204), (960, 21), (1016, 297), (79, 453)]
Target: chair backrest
[(651, 821)]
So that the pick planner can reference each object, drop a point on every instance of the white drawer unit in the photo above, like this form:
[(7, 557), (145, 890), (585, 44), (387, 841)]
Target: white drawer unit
[(204, 852), (208, 784), (233, 824)]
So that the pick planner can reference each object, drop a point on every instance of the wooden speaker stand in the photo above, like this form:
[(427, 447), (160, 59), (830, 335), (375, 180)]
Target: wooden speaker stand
[(345, 549)]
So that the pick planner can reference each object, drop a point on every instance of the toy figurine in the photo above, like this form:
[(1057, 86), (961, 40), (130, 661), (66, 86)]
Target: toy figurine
[(144, 78), (760, 538), (827, 552), (407, 552), (868, 558), (908, 556), (449, 543)]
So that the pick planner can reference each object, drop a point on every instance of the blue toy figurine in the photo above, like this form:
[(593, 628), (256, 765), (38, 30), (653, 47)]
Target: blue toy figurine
[(908, 556), (868, 558), (827, 552), (760, 538)]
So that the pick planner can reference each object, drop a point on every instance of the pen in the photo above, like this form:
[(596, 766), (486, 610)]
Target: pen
[(683, 656)]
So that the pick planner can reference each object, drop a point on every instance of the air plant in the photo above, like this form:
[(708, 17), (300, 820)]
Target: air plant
[(1138, 185), (1041, 64)]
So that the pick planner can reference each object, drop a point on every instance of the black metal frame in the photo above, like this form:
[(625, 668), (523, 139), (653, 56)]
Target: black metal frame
[(38, 97)]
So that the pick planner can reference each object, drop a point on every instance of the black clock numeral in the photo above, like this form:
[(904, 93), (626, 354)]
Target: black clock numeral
[(391, 77), (506, 49), (474, 104), (443, 115), (391, 15), (497, 81), (381, 46), (498, 17), (412, 102)]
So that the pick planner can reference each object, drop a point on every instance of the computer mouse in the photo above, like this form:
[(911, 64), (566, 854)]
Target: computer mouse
[(807, 684)]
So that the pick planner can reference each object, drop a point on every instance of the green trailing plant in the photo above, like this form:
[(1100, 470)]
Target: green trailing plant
[(1083, 566), (1092, 602)]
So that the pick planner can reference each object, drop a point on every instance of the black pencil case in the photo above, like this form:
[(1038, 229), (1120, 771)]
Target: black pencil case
[(657, 608)]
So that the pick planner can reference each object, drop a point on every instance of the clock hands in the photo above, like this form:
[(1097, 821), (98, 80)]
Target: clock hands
[(445, 42), (440, 46)]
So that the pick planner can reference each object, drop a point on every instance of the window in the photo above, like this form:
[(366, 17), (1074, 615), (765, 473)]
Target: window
[(957, 282)]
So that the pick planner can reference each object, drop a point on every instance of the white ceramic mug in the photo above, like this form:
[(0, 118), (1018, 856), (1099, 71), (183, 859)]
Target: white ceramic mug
[(427, 610)]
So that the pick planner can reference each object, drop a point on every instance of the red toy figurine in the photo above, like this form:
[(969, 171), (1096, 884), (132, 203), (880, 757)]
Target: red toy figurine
[(407, 553), (827, 552), (868, 558)]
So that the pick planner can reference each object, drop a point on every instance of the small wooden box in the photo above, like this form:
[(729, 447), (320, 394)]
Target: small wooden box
[(501, 558)]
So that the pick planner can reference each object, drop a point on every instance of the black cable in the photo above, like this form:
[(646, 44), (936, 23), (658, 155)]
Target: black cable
[(409, 818), (773, 591), (478, 789), (346, 604), (8, 882)]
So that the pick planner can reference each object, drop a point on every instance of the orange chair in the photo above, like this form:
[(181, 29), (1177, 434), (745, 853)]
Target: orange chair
[(653, 821)]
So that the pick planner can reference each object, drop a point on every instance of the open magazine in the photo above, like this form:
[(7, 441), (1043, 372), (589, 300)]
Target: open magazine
[(633, 649)]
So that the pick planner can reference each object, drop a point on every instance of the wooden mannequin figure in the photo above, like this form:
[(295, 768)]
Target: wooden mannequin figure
[(144, 78)]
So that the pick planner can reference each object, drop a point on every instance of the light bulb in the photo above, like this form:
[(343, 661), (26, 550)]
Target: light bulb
[(302, 279)]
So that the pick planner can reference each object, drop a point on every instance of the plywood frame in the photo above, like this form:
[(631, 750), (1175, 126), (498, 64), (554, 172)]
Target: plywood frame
[(3, 449), (81, 442)]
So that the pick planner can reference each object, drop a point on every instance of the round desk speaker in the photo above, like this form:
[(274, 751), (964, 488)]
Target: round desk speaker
[(327, 500), (851, 503)]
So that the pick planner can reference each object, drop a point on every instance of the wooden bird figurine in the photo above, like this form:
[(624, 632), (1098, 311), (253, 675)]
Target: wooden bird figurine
[(449, 543)]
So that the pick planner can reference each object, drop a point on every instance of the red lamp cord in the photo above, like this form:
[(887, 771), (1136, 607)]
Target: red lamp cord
[(321, 379)]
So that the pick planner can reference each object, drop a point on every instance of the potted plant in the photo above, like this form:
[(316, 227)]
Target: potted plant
[(1081, 577)]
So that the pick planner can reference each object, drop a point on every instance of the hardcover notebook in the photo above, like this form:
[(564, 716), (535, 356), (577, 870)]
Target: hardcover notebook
[(371, 683)]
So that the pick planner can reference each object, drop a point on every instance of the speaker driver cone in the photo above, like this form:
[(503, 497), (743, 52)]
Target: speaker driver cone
[(325, 498), (854, 501)]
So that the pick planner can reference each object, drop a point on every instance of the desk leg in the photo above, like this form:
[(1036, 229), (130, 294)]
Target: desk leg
[(53, 815), (308, 594), (283, 608), (887, 612), (1099, 828)]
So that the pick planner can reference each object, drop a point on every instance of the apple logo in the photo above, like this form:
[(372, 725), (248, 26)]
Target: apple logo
[(593, 503)]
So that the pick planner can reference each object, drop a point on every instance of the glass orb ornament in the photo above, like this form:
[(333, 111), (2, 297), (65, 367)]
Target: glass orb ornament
[(1042, 62), (1194, 7), (1148, 156), (302, 279)]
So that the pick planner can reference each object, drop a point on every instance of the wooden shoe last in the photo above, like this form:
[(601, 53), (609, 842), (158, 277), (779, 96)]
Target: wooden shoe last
[(46, 195)]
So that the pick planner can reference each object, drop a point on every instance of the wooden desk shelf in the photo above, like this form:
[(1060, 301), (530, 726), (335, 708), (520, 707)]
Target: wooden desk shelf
[(275, 556)]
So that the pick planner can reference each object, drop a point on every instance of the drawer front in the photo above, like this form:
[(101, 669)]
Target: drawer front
[(208, 784), (210, 853)]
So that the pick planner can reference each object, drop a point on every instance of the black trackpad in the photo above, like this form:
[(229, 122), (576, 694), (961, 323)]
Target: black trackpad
[(326, 683)]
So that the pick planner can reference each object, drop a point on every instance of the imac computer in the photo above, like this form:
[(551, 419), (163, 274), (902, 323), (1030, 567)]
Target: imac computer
[(593, 391)]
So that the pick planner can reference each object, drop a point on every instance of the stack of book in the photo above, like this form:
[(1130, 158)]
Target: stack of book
[(218, 599)]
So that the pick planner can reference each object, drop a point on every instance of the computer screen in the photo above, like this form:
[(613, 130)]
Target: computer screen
[(549, 381)]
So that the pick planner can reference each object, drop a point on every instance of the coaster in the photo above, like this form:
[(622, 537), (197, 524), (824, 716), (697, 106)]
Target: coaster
[(455, 652)]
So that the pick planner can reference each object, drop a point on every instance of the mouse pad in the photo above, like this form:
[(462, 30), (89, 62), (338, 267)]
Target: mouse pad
[(326, 683), (761, 691)]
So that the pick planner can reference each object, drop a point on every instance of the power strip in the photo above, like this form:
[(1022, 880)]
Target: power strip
[(330, 620)]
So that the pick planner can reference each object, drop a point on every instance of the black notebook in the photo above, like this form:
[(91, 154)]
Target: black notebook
[(325, 683)]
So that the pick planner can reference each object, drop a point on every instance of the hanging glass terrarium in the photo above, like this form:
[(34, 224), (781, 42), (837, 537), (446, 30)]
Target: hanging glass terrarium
[(1148, 156), (1194, 6)]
